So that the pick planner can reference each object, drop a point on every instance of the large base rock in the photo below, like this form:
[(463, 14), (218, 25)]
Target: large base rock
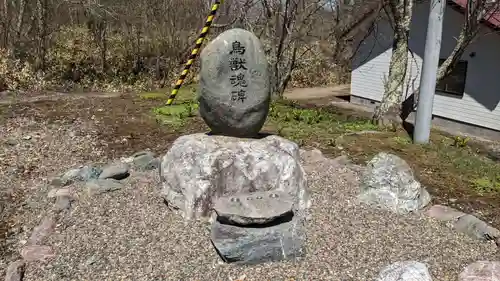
[(200, 168)]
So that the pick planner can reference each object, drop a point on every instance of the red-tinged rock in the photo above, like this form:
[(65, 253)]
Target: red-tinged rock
[(481, 271), (37, 253), (40, 232), (444, 213)]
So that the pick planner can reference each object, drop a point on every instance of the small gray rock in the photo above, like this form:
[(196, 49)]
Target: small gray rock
[(145, 161), (117, 171), (389, 183), (476, 228), (53, 193), (89, 172), (405, 271), (11, 142), (234, 84), (481, 271), (254, 208), (98, 186), (67, 178), (62, 203), (250, 245), (74, 175), (15, 271)]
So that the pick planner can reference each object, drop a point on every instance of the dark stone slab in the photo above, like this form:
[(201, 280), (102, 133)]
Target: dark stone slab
[(283, 240)]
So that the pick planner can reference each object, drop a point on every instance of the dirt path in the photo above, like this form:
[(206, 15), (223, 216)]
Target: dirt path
[(293, 94), (317, 93), (6, 98)]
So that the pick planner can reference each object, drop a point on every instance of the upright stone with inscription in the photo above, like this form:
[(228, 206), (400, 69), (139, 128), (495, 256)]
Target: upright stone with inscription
[(234, 83)]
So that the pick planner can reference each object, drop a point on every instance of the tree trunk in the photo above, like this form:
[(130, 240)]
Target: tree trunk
[(20, 18), (5, 24), (389, 110)]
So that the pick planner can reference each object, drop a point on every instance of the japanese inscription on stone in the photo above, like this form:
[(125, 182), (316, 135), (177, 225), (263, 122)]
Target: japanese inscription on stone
[(237, 79), (234, 84)]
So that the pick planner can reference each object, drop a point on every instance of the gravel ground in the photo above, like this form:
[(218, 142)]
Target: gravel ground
[(31, 151), (131, 235)]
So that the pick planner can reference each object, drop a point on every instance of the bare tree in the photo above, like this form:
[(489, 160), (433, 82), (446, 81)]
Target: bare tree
[(475, 13), (389, 110)]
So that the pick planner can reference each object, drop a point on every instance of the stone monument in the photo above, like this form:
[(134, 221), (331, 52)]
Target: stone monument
[(234, 84), (253, 189)]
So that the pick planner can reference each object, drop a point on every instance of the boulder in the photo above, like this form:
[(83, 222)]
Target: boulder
[(481, 271), (234, 86), (199, 169), (405, 271), (389, 183)]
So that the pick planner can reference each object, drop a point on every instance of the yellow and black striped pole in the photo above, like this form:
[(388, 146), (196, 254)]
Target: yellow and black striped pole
[(195, 51)]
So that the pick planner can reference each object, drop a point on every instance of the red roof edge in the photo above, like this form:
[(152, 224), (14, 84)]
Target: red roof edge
[(492, 18)]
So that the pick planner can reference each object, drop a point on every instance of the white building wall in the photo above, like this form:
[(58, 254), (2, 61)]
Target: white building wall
[(480, 103)]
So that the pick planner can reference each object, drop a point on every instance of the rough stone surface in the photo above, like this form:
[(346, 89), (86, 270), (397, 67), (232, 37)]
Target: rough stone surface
[(476, 228), (145, 160), (249, 245), (15, 271), (98, 186), (83, 174), (254, 208), (41, 231), (388, 182), (234, 100), (481, 271), (89, 172), (199, 168), (312, 156), (55, 192), (405, 271), (37, 253), (62, 203), (117, 171), (444, 213)]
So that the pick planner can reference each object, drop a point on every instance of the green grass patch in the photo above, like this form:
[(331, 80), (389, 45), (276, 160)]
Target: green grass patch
[(304, 125), (176, 115)]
